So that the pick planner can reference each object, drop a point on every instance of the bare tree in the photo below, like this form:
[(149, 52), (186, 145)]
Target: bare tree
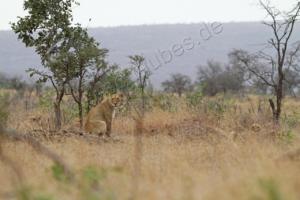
[(271, 67), (142, 74)]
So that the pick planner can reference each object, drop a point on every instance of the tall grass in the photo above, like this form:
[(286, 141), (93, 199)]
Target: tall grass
[(220, 148)]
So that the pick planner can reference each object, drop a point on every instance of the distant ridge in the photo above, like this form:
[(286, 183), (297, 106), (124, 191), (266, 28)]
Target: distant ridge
[(154, 42)]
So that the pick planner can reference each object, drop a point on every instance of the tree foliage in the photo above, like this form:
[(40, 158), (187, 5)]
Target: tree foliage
[(86, 58), (215, 78), (109, 82), (47, 28), (178, 83)]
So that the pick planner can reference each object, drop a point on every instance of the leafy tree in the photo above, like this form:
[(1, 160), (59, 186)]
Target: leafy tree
[(93, 90), (47, 28), (12, 82), (215, 78), (87, 58), (178, 83), (114, 80)]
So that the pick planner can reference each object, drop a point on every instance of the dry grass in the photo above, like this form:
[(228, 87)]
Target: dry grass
[(185, 155)]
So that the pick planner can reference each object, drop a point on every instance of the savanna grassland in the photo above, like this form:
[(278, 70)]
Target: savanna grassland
[(219, 148)]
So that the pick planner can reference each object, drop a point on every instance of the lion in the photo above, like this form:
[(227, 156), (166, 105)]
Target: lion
[(99, 119)]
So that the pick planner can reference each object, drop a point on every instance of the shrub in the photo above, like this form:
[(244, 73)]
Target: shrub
[(165, 102), (91, 186), (27, 193), (69, 110), (194, 99), (4, 113), (58, 173), (271, 189), (46, 101), (291, 120)]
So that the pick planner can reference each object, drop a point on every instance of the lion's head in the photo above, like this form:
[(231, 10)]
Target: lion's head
[(117, 99)]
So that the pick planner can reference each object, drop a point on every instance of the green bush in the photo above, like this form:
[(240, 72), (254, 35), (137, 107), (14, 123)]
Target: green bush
[(91, 184), (69, 108), (165, 102), (70, 111), (4, 112), (46, 100), (194, 99), (291, 120), (287, 136), (270, 189), (216, 106), (27, 193), (58, 173)]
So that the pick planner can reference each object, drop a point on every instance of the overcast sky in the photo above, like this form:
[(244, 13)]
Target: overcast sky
[(136, 12)]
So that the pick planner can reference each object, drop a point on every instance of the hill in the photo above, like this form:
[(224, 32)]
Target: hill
[(190, 44)]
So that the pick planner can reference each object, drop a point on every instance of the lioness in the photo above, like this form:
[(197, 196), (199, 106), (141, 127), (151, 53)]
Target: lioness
[(99, 119)]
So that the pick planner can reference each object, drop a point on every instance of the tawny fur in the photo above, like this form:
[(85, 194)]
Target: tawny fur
[(99, 119)]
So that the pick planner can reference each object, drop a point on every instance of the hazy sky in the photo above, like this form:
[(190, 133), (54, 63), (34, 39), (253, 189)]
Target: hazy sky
[(134, 12)]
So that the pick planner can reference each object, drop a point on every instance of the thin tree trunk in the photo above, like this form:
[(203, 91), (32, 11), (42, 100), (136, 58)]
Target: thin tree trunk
[(57, 112), (180, 94), (279, 93), (89, 102), (278, 103), (80, 112), (272, 105)]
